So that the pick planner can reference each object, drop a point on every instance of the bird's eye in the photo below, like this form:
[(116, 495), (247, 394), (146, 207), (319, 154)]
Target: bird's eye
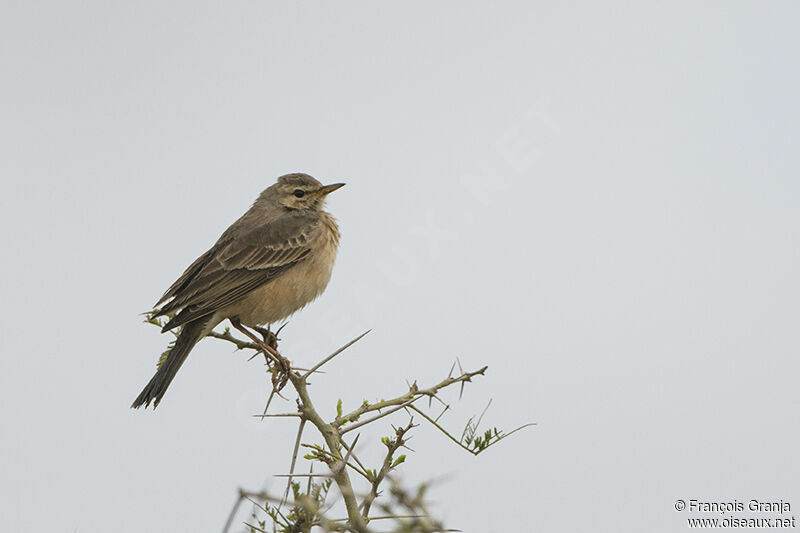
[(299, 193)]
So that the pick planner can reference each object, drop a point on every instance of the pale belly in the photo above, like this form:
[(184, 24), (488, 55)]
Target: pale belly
[(287, 293)]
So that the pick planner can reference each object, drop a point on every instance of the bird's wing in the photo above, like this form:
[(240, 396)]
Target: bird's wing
[(187, 276), (238, 265)]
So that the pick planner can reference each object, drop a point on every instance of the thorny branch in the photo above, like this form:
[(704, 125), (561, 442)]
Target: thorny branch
[(408, 511), (414, 393), (389, 463), (240, 344)]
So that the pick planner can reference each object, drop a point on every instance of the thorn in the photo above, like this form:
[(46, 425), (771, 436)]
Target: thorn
[(269, 401), (280, 328), (254, 355)]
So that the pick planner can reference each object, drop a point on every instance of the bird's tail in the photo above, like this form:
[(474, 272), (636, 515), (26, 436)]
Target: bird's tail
[(190, 334)]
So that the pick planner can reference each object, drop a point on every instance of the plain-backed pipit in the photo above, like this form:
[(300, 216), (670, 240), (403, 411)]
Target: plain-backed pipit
[(271, 262)]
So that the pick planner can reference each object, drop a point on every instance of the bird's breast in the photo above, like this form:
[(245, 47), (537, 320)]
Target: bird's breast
[(296, 287)]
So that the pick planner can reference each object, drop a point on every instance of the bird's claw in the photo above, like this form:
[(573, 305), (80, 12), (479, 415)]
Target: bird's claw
[(270, 339)]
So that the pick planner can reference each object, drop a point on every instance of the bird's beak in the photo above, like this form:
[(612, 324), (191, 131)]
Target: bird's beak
[(327, 189)]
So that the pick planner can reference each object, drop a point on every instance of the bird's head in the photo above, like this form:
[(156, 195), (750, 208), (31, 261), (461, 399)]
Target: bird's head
[(301, 191)]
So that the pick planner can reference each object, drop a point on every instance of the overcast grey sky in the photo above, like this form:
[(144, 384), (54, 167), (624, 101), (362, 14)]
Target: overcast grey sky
[(597, 201)]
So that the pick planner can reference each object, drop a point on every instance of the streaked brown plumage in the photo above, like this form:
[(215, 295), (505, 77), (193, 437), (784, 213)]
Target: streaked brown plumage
[(271, 262)]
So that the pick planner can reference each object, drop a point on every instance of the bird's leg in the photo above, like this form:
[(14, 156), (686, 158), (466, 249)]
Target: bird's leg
[(269, 351), (279, 376), (269, 337)]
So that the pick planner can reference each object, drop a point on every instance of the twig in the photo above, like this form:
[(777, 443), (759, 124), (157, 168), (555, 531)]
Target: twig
[(480, 418), (333, 440), (294, 456), (310, 471), (413, 393), (233, 512), (334, 354), (311, 475), (393, 446), (240, 344), (355, 458), (473, 452), (360, 469), (376, 417), (350, 450)]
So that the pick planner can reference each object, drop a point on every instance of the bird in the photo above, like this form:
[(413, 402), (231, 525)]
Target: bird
[(274, 260)]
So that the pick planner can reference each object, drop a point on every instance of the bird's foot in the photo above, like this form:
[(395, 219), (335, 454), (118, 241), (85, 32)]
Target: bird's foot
[(281, 366), (280, 372), (270, 338)]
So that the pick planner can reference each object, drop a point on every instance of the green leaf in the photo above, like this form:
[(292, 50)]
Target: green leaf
[(165, 353), (339, 408), (398, 461)]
